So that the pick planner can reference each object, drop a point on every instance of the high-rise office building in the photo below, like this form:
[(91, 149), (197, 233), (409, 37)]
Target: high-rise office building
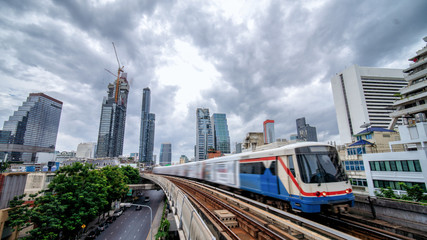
[(204, 134), (165, 154), (305, 131), (363, 96), (146, 137), (221, 134), (413, 99), (33, 128), (269, 136), (113, 119)]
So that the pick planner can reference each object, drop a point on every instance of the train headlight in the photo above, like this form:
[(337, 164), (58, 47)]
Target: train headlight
[(324, 194), (317, 194), (348, 190)]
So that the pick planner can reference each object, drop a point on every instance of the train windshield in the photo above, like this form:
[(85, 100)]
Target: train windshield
[(319, 164)]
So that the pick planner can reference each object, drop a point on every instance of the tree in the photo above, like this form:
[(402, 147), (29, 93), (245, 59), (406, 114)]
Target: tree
[(116, 184), (132, 174), (414, 193), (76, 196), (19, 215)]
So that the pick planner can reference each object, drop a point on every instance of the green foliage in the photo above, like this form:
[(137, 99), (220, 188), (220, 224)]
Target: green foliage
[(131, 174), (163, 231), (77, 195), (414, 193), (117, 186), (387, 193), (4, 166), (19, 215)]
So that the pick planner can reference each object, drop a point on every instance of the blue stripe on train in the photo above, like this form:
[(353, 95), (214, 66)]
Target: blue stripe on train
[(266, 184)]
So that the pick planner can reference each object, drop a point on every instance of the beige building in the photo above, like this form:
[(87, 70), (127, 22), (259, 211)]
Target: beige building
[(253, 140), (37, 181), (370, 140)]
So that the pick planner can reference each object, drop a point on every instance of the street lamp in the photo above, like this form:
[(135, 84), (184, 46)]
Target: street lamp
[(151, 217)]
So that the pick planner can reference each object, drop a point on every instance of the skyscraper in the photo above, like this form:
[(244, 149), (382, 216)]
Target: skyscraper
[(305, 132), (365, 95), (113, 118), (204, 134), (269, 131), (34, 127), (221, 134), (146, 137), (165, 154)]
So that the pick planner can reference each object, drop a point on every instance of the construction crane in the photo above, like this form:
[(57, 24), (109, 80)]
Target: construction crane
[(118, 75)]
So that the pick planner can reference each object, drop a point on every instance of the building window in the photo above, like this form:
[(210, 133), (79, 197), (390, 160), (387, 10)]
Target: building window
[(358, 182), (395, 184), (396, 166), (354, 165), (369, 136)]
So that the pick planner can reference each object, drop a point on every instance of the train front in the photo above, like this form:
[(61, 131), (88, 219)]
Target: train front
[(321, 184)]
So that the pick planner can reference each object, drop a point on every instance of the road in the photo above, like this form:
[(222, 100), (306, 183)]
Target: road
[(134, 224)]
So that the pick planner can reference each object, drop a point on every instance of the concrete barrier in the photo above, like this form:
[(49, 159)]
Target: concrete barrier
[(409, 215), (190, 224)]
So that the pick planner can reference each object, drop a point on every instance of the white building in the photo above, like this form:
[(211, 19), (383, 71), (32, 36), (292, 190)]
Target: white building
[(86, 150), (414, 96), (410, 167), (365, 95)]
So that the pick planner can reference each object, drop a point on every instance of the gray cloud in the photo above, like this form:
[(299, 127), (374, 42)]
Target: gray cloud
[(62, 47)]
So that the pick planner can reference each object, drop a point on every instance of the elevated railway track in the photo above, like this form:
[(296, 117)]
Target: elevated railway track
[(254, 220)]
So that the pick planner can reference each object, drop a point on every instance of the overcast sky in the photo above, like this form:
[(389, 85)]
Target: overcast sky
[(252, 60)]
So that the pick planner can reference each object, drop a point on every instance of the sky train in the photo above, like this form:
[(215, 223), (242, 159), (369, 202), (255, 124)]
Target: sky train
[(303, 177)]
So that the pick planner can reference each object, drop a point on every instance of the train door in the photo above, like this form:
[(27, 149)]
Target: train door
[(291, 175), (269, 177)]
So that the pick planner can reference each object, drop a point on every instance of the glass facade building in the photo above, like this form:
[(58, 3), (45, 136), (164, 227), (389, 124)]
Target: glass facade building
[(221, 134), (34, 124), (269, 136), (146, 137), (165, 154), (113, 118), (204, 134)]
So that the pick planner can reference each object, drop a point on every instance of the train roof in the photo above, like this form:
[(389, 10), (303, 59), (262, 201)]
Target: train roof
[(257, 154)]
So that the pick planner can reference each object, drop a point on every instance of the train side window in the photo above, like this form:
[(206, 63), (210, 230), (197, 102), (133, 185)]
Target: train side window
[(291, 165), (273, 168), (252, 168)]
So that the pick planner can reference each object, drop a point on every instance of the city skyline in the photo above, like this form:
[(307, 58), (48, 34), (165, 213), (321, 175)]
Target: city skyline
[(250, 60)]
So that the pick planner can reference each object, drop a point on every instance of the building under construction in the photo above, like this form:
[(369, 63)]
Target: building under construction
[(113, 117)]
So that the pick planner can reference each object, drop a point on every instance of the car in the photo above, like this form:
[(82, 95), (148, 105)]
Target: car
[(111, 219), (93, 234), (138, 208), (117, 213), (102, 226), (147, 199)]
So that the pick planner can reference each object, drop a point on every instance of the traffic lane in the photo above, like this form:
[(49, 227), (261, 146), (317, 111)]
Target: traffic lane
[(134, 224)]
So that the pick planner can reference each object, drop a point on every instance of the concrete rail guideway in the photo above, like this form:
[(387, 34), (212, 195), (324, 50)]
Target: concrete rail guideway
[(190, 224), (184, 211)]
